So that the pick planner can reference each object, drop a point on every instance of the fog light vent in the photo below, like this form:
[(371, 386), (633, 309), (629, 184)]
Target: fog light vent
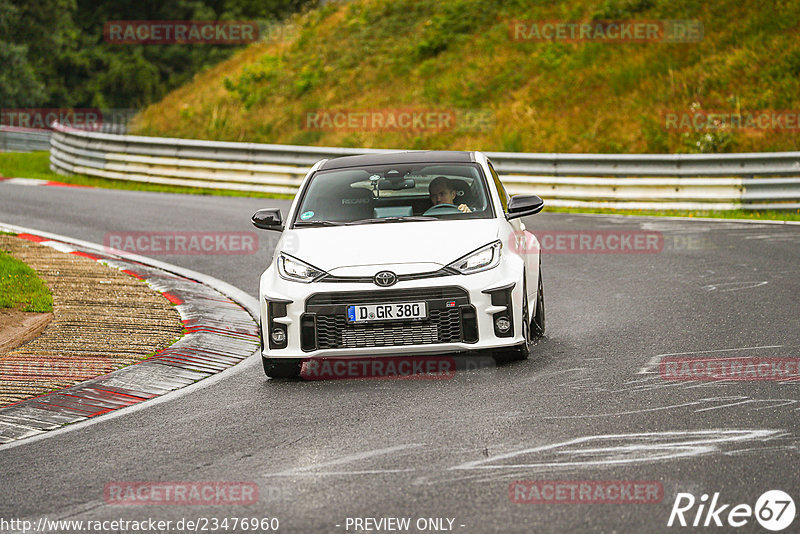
[(502, 324), (278, 336)]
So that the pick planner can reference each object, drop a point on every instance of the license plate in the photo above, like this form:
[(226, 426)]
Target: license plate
[(403, 311)]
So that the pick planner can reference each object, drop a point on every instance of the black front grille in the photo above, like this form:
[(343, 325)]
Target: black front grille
[(443, 326), (445, 322)]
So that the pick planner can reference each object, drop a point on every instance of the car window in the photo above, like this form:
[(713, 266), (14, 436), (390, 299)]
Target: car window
[(501, 191), (394, 191)]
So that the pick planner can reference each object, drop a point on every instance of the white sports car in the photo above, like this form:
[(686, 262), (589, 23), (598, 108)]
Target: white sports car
[(401, 253)]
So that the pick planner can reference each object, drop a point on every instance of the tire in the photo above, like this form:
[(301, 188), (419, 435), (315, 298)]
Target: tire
[(538, 324), (282, 367)]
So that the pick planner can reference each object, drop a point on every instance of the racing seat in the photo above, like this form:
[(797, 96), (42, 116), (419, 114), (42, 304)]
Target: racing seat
[(347, 203), (463, 192)]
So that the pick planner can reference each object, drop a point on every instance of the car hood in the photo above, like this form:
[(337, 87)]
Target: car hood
[(409, 247)]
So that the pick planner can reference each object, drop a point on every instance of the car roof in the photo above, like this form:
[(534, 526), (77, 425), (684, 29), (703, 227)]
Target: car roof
[(416, 156)]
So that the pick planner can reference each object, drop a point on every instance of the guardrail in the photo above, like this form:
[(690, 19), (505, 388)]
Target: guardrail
[(20, 140), (669, 181)]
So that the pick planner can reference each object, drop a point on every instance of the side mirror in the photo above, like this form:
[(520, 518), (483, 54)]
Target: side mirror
[(524, 205), (268, 219)]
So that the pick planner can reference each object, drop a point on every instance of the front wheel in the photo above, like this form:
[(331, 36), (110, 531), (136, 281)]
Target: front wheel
[(282, 367)]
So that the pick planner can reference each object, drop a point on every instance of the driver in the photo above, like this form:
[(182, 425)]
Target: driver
[(442, 192)]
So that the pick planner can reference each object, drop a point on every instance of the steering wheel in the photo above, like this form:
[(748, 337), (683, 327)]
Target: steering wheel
[(442, 209)]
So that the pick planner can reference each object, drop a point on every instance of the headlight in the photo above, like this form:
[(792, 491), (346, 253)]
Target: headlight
[(293, 269), (481, 260)]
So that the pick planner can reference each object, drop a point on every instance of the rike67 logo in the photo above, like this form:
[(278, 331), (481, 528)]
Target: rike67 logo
[(774, 511)]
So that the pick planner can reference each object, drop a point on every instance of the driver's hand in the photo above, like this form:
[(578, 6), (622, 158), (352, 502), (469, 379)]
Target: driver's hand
[(464, 208)]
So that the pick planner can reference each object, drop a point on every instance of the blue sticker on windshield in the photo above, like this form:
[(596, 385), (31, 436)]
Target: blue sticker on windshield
[(307, 215)]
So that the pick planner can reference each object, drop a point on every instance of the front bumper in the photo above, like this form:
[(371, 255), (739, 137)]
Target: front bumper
[(462, 313)]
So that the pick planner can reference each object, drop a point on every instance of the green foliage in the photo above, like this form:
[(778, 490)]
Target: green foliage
[(707, 142), (545, 96), (53, 53), (308, 77), (256, 81), (512, 142), (622, 9), (19, 84), (449, 25)]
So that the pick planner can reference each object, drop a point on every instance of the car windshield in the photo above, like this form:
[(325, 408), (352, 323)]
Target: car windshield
[(395, 193)]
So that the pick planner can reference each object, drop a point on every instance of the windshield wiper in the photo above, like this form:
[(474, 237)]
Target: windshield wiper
[(317, 223), (393, 219)]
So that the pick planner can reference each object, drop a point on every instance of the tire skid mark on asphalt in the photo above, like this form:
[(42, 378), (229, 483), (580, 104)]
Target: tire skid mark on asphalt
[(741, 400), (648, 379), (350, 458), (735, 286), (345, 473), (748, 400), (585, 452), (218, 334), (591, 451), (630, 412), (762, 450), (550, 374)]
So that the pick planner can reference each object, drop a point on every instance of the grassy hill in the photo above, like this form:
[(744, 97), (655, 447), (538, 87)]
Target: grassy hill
[(458, 57)]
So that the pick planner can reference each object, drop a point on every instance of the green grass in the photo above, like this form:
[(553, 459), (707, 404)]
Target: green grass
[(769, 215), (27, 165), (37, 165), (21, 287)]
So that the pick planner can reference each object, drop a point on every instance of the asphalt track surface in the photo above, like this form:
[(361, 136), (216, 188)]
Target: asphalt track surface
[(590, 406)]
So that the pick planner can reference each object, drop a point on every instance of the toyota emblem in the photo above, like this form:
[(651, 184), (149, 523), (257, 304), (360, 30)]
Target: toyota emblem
[(385, 279)]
